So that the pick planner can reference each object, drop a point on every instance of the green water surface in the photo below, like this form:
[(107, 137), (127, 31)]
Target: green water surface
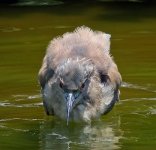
[(24, 35)]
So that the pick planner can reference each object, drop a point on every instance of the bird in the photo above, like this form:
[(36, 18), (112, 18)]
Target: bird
[(79, 78)]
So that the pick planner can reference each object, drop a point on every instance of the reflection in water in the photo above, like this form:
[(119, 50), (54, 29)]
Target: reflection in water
[(99, 135)]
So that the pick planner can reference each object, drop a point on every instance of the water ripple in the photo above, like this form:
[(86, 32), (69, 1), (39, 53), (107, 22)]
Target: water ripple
[(153, 111), (14, 129), (38, 3), (17, 29), (135, 86), (23, 119), (22, 101), (4, 104), (10, 29), (58, 136), (140, 99), (25, 97)]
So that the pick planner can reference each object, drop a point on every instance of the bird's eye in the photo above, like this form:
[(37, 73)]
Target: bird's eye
[(83, 85), (104, 78), (61, 85)]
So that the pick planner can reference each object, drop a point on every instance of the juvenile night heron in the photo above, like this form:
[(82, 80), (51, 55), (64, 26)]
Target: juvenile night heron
[(79, 79)]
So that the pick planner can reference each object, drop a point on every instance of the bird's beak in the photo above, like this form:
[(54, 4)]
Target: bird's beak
[(69, 100)]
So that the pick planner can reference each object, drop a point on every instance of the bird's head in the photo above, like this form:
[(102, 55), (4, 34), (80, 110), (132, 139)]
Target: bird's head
[(88, 85), (73, 79)]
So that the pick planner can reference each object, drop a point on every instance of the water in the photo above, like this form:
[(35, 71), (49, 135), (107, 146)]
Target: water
[(24, 35)]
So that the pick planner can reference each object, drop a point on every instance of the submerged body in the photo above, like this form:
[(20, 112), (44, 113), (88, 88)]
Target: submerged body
[(79, 79)]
